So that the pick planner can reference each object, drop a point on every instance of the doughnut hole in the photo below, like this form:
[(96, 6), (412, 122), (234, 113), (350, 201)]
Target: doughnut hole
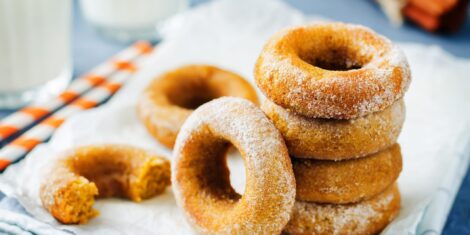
[(193, 93), (208, 164), (189, 89), (237, 170), (337, 59), (109, 177), (333, 50)]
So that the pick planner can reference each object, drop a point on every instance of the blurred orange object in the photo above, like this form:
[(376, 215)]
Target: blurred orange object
[(437, 15)]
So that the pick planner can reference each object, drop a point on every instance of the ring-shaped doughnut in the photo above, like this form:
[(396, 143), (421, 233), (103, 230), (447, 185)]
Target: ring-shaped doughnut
[(200, 175), (331, 139), (332, 70), (347, 181), (79, 175), (170, 98), (362, 218)]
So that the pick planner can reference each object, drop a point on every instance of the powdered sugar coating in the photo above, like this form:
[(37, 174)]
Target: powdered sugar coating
[(270, 186), (287, 77), (329, 139), (366, 217), (348, 181)]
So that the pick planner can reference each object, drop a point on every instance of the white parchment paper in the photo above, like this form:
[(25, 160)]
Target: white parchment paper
[(230, 34)]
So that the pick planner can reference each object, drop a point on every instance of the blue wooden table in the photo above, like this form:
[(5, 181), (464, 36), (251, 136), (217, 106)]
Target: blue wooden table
[(89, 49)]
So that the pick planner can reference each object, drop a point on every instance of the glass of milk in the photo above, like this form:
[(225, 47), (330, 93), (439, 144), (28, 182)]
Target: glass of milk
[(34, 50), (128, 20)]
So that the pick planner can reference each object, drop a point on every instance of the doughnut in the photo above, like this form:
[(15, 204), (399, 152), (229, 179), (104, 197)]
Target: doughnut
[(170, 98), (332, 70), (79, 175), (200, 175), (349, 180), (366, 217), (331, 139)]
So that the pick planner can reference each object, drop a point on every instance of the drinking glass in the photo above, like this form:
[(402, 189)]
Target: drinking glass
[(34, 50), (129, 20)]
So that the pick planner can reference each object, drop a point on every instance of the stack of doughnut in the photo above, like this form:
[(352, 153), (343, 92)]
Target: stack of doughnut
[(335, 92)]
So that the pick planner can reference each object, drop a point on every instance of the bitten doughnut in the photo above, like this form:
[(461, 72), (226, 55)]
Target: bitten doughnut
[(79, 175), (366, 217), (331, 139), (171, 97), (349, 180), (200, 175), (332, 70)]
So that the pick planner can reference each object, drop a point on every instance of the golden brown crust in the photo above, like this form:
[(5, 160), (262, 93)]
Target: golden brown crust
[(330, 139), (171, 97), (349, 180), (69, 189), (332, 70), (364, 218), (201, 180)]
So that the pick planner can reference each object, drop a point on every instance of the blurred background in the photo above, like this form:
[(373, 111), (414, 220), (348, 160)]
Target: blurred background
[(46, 43), (453, 36)]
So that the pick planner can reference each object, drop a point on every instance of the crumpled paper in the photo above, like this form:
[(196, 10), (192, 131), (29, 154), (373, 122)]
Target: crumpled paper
[(230, 34)]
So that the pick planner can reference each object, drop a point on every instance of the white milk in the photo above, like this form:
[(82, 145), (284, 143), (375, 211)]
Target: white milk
[(136, 18), (34, 44)]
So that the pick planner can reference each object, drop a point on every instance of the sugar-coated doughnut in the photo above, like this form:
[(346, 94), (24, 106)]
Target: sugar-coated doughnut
[(170, 98), (200, 175), (68, 190), (363, 218), (332, 70), (331, 139), (346, 181)]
